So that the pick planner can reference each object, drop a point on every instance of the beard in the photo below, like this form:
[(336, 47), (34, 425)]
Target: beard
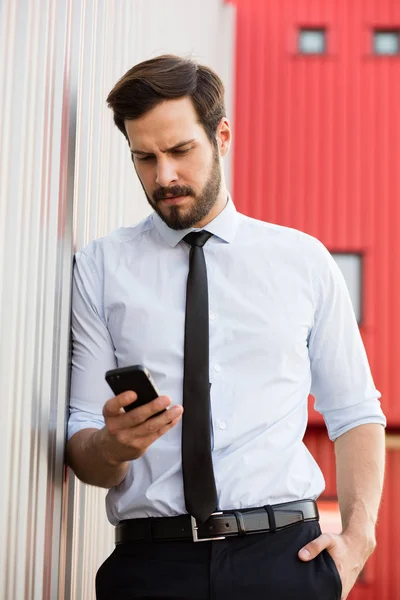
[(178, 217)]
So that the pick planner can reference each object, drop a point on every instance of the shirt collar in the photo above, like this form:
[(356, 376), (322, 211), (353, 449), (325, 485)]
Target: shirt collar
[(223, 226)]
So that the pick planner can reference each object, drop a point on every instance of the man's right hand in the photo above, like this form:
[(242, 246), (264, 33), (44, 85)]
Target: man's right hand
[(127, 435)]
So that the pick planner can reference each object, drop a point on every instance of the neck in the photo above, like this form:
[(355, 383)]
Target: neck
[(216, 209)]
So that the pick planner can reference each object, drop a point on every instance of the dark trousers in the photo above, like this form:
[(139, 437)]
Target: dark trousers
[(254, 567)]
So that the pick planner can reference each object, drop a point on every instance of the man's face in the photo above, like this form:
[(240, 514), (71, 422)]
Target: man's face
[(178, 167)]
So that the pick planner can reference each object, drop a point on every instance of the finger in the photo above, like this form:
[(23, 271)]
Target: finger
[(113, 407), (134, 417), (312, 549), (169, 426), (156, 424), (144, 435), (149, 439), (142, 413)]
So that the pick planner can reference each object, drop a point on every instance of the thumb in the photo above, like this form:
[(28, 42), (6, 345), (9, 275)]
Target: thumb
[(312, 549)]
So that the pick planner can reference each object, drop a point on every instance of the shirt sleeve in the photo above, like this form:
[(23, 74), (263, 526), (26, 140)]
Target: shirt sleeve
[(92, 348), (342, 383)]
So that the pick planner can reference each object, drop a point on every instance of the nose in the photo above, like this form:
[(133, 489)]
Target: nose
[(166, 173)]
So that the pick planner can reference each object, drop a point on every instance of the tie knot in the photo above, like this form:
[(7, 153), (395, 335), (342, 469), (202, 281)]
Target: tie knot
[(197, 238)]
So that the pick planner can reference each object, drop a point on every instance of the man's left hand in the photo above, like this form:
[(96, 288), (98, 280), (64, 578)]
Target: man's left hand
[(349, 556)]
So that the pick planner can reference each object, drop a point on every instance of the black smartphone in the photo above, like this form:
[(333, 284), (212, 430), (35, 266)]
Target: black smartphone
[(136, 378)]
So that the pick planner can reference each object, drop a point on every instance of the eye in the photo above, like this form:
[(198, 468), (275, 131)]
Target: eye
[(144, 158), (181, 152)]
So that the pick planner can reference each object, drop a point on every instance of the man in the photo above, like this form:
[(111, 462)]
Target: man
[(278, 325)]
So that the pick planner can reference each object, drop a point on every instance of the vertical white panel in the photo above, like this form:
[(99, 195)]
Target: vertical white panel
[(115, 36), (107, 192), (50, 52), (35, 272), (202, 29)]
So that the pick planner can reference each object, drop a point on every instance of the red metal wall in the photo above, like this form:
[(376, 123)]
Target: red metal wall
[(317, 147), (380, 579)]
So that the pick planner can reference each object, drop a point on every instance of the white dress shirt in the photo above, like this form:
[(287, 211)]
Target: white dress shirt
[(281, 326)]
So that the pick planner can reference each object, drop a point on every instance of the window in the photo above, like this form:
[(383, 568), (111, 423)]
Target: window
[(312, 41), (351, 266), (386, 42)]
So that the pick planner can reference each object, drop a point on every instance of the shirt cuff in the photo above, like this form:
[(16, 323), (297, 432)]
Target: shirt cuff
[(341, 420), (79, 420)]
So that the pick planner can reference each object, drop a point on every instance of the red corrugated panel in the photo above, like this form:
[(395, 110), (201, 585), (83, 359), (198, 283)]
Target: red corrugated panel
[(380, 579), (317, 147)]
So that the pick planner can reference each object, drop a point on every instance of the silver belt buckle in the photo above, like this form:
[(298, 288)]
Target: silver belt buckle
[(195, 528)]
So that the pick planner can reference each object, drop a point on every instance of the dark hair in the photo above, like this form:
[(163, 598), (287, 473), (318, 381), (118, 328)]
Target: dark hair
[(165, 78)]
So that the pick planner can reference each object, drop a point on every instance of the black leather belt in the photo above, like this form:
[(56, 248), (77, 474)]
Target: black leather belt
[(269, 518)]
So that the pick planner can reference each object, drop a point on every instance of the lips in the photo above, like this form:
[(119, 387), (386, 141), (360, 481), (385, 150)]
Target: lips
[(172, 200)]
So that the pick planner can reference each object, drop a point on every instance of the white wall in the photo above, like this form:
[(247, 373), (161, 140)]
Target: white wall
[(107, 191), (36, 178), (58, 61)]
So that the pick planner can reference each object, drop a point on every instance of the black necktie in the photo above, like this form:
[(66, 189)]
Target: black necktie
[(198, 475)]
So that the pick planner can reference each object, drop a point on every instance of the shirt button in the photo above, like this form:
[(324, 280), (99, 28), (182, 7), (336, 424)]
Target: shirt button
[(217, 368), (212, 316), (222, 425)]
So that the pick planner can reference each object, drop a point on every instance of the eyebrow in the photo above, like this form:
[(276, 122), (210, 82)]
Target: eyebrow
[(179, 145)]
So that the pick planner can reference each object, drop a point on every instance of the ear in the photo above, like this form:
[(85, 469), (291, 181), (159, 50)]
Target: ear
[(224, 136)]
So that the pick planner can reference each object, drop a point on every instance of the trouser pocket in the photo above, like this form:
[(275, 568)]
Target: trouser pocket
[(267, 567), (335, 572)]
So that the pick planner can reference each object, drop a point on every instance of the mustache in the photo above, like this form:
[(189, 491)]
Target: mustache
[(176, 190)]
